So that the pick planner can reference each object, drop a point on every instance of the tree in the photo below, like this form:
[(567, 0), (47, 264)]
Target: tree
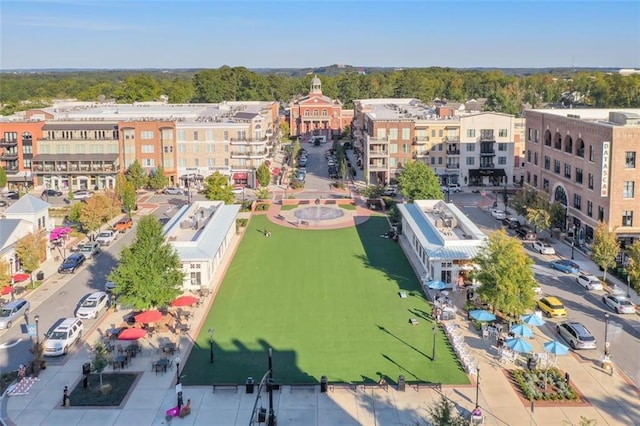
[(99, 359), (605, 247), (216, 187), (121, 181), (417, 181), (75, 213), (3, 177), (157, 178), (264, 175), (263, 194), (557, 214), (70, 194), (285, 130), (443, 413), (5, 276), (137, 175), (32, 250), (95, 211), (527, 197), (539, 218), (505, 274), (129, 198), (633, 251), (149, 274), (296, 149)]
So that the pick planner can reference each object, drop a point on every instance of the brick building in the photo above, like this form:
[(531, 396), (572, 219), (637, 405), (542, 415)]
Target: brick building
[(17, 141)]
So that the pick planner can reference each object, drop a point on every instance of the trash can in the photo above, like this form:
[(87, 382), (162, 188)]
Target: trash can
[(250, 385), (86, 368), (262, 415), (323, 384), (40, 276), (402, 384)]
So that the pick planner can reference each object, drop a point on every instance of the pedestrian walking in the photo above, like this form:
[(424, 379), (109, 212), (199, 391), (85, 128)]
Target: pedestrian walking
[(180, 401), (65, 396)]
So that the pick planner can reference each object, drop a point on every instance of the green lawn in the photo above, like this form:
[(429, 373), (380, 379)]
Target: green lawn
[(328, 303)]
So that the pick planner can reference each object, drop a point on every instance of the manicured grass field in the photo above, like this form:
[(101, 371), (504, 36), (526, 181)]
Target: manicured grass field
[(328, 303)]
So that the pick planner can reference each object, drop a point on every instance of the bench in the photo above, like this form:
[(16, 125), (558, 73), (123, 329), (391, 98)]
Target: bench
[(302, 386), (374, 386), (434, 386), (347, 386), (225, 386)]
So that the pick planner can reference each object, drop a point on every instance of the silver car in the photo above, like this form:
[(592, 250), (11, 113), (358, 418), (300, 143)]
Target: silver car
[(590, 282), (577, 335), (12, 311), (90, 250)]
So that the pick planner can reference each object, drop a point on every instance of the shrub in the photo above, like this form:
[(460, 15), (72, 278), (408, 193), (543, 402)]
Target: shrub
[(262, 207)]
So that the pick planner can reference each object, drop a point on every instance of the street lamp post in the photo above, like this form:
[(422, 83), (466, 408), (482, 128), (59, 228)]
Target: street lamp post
[(211, 345), (177, 370), (628, 285), (433, 353), (36, 318), (477, 384), (271, 421), (573, 241), (606, 333)]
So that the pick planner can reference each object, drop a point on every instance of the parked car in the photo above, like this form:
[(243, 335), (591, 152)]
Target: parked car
[(498, 214), (109, 286), (90, 250), (173, 191), (590, 282), (71, 263), (105, 238), (82, 194), (511, 222), (51, 193), (577, 335), (543, 248), (92, 305), (12, 195), (390, 192), (66, 222), (3, 203), (12, 311), (333, 172), (551, 306), (620, 304), (300, 176), (565, 265), (452, 187), (62, 337), (123, 224), (526, 234), (302, 162)]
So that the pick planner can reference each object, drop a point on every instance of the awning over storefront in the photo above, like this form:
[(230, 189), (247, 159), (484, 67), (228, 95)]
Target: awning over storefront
[(487, 172), (20, 177), (241, 175)]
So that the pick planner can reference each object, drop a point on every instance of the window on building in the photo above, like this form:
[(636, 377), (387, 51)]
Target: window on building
[(503, 160), (80, 148), (315, 113), (393, 148), (195, 135), (393, 134), (591, 153), (556, 166), (382, 133), (528, 156), (324, 113), (471, 133), (306, 113), (471, 161), (440, 133), (209, 135), (579, 175), (433, 160), (433, 133), (537, 137), (393, 162), (406, 148), (535, 158), (471, 147), (225, 135), (630, 159), (530, 134), (406, 134), (628, 189), (146, 134), (590, 181), (589, 209), (211, 162), (147, 149), (577, 201), (148, 162), (528, 177), (627, 218), (211, 148), (440, 160), (502, 133), (130, 134), (545, 184), (580, 148), (97, 148), (535, 180), (557, 142), (567, 170), (27, 149), (547, 162), (168, 149), (600, 213), (502, 146)]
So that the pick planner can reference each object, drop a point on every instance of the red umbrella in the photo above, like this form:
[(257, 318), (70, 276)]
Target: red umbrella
[(184, 301), (20, 277), (6, 290), (132, 334), (148, 316)]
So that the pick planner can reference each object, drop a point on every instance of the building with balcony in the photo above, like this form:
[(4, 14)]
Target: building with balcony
[(587, 160), (444, 239), (317, 114), (17, 140), (201, 233)]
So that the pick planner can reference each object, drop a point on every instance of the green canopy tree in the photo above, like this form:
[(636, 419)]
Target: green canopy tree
[(557, 213), (605, 247), (121, 180), (157, 178), (527, 197), (99, 359), (5, 276), (129, 197), (216, 187), (443, 412), (149, 274), (264, 175), (96, 211), (505, 274), (633, 269), (3, 177), (417, 181), (539, 218), (137, 175)]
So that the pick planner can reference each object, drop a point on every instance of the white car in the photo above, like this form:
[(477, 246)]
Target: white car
[(453, 187), (620, 304), (543, 248), (105, 238), (63, 337), (590, 282), (92, 305), (498, 214), (82, 194), (90, 250), (173, 191)]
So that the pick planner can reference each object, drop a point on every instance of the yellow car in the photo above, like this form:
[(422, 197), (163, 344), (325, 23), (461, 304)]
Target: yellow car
[(552, 307)]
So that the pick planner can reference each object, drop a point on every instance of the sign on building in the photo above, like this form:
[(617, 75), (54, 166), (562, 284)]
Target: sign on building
[(604, 184)]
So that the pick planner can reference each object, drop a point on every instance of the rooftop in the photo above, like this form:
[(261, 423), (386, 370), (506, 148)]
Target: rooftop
[(612, 117)]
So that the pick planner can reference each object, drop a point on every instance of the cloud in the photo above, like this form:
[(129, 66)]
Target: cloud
[(69, 23)]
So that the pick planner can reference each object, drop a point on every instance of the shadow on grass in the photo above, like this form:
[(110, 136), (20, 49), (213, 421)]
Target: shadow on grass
[(403, 342), (121, 384)]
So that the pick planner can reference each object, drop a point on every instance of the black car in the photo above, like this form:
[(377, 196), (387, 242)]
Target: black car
[(71, 263), (12, 195), (511, 223), (51, 193)]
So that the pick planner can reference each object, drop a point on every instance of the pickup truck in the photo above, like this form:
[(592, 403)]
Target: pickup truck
[(107, 237), (123, 224)]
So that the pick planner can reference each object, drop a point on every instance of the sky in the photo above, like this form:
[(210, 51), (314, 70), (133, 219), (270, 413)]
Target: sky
[(169, 34)]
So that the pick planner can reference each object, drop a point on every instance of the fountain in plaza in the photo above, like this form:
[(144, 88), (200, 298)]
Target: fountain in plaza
[(318, 212)]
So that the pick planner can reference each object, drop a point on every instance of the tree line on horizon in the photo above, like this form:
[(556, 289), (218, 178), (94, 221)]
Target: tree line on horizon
[(504, 92)]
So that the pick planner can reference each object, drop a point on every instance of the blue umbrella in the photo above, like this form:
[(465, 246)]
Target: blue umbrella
[(556, 348), (437, 285), (522, 330), (532, 319), (482, 315), (519, 345)]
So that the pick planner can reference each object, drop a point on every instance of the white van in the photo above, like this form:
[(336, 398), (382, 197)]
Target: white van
[(63, 337)]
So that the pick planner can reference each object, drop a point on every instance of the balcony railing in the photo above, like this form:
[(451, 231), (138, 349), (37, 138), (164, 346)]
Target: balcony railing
[(9, 156), (453, 152), (73, 168), (488, 152), (420, 139), (452, 139), (251, 154), (377, 166), (453, 166), (12, 170), (487, 166), (244, 141), (8, 142), (378, 152)]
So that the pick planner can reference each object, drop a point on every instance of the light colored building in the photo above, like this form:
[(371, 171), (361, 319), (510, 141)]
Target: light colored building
[(201, 232), (443, 239), (587, 160), (28, 215)]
